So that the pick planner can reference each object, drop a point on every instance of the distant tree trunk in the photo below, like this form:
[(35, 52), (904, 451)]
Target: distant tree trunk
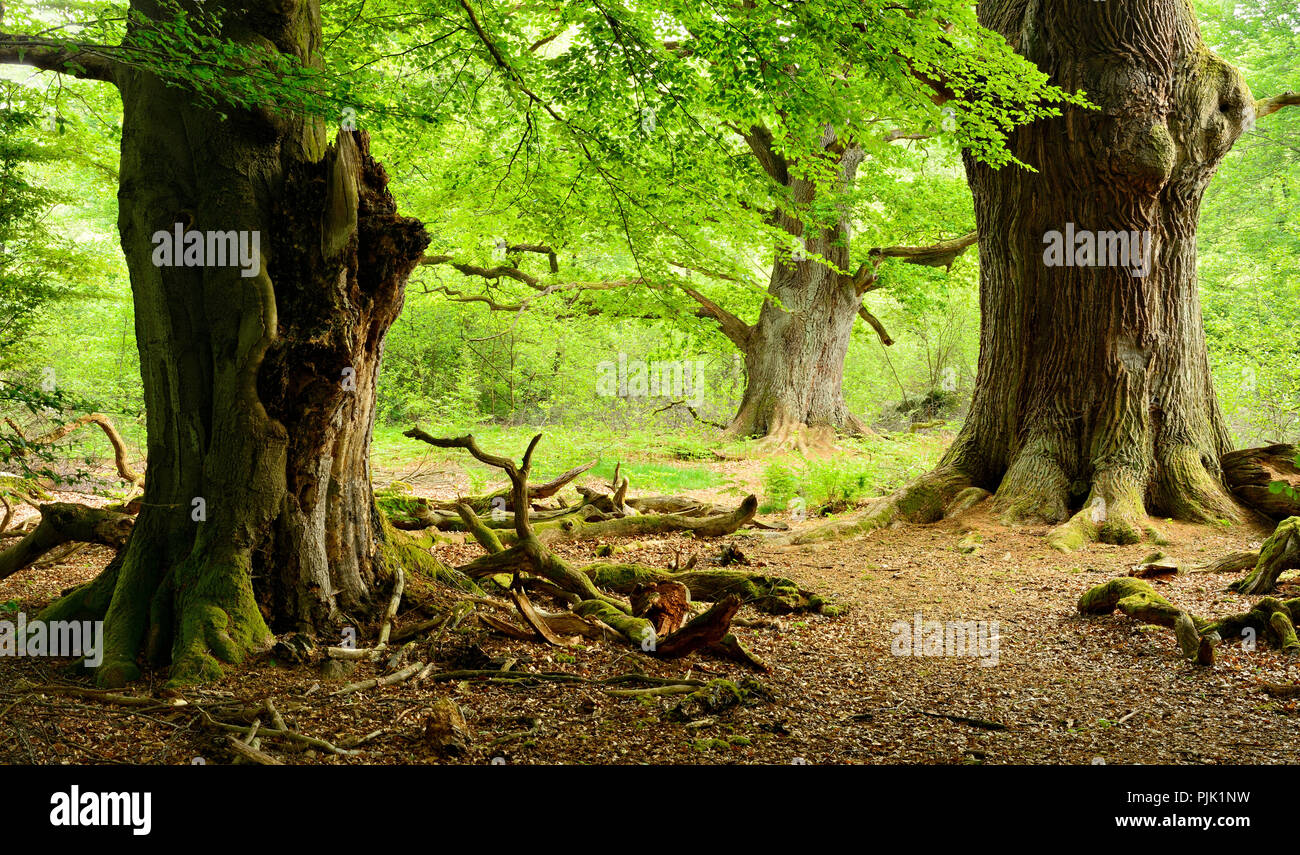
[(1094, 392), (794, 358), (260, 390), (794, 355)]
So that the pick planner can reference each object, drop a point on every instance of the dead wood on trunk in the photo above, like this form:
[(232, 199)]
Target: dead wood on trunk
[(665, 604), (1252, 472)]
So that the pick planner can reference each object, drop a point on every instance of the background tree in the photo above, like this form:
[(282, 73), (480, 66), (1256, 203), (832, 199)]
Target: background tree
[(718, 141), (1250, 236)]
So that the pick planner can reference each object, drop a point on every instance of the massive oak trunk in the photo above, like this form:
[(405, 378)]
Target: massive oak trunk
[(794, 355), (1094, 392), (260, 390)]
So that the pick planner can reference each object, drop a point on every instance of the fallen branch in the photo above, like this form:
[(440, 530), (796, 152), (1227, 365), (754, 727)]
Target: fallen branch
[(529, 555), (135, 479), (64, 522), (399, 585), (254, 755), (379, 682), (572, 528)]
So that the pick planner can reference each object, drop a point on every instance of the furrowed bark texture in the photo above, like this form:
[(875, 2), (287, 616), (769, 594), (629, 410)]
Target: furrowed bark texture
[(1094, 395)]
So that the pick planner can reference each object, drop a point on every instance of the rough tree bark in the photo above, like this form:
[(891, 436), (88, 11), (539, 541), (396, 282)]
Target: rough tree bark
[(1094, 403), (259, 389), (1094, 395)]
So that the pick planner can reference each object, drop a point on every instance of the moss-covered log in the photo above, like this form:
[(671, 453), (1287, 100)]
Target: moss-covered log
[(703, 632), (1135, 597), (770, 594), (485, 536), (1271, 618), (1281, 552), (676, 505), (1283, 631), (1257, 619), (637, 631)]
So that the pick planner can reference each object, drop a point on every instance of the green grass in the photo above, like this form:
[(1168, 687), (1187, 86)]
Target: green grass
[(675, 464), (880, 465), (662, 477), (649, 460)]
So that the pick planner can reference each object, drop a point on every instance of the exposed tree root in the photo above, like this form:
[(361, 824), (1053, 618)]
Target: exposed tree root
[(399, 549), (1281, 552), (1234, 562), (925, 500), (787, 435), (1270, 617), (1036, 488)]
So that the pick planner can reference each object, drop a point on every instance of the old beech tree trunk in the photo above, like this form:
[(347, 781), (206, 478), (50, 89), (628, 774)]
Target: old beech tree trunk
[(1094, 395), (260, 391)]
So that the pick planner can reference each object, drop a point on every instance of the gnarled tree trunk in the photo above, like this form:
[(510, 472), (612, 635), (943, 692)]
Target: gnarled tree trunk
[(260, 390), (1094, 395)]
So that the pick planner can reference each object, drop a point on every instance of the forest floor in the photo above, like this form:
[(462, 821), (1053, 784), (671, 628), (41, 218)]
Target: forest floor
[(1061, 689)]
